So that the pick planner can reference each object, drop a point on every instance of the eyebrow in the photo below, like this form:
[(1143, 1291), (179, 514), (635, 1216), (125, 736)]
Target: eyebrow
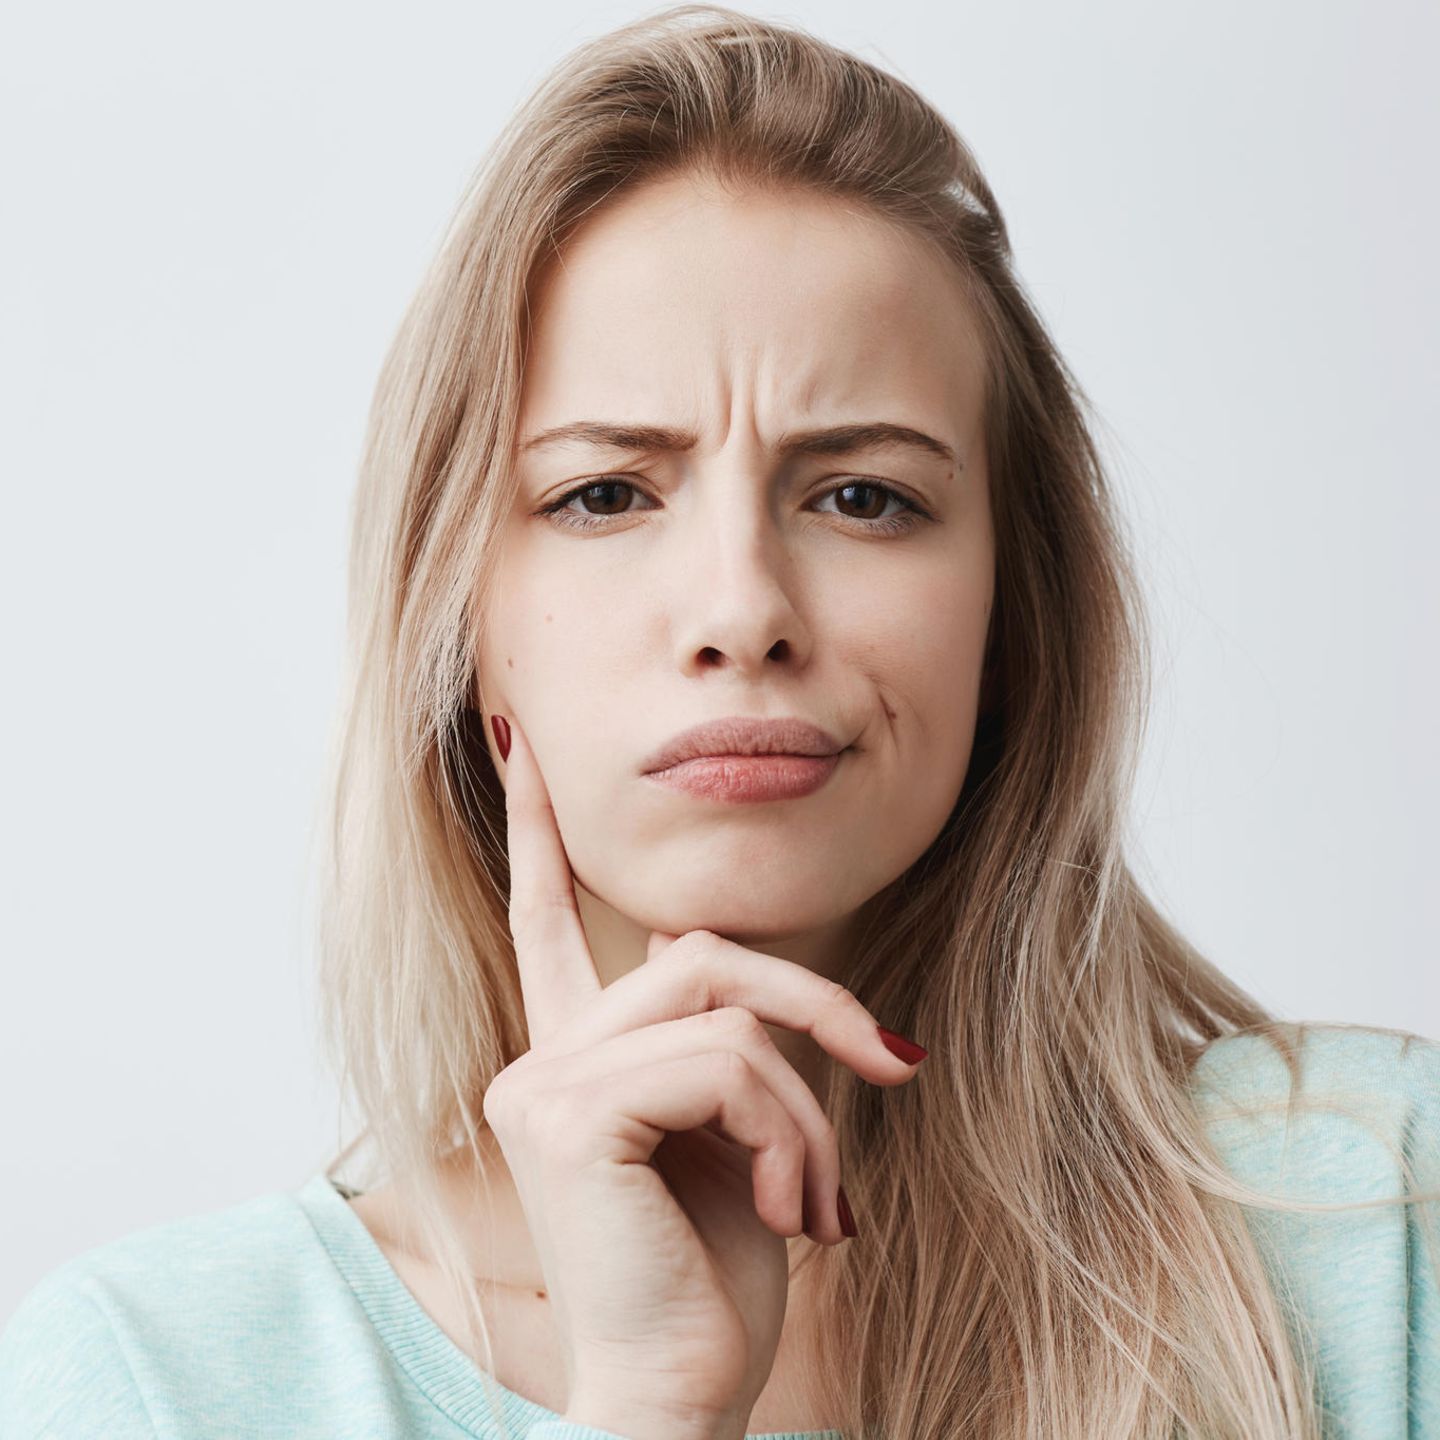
[(832, 440)]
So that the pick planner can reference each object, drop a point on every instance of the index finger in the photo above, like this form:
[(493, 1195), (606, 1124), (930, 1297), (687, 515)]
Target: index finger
[(711, 972), (557, 972)]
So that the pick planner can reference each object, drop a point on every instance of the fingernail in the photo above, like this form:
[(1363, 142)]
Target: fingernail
[(501, 727), (907, 1050), (842, 1208)]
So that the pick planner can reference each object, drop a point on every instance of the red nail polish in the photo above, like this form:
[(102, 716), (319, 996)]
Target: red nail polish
[(907, 1050), (501, 727), (847, 1220)]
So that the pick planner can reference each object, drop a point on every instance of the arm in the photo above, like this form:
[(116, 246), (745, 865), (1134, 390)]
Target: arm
[(63, 1375)]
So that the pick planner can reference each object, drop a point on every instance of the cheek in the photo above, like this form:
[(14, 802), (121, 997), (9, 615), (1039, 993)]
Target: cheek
[(921, 646), (923, 635), (553, 640), (530, 614)]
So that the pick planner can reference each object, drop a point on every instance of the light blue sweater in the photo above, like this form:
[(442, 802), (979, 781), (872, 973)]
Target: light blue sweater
[(281, 1317)]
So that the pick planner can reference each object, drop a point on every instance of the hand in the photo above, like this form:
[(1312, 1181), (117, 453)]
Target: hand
[(661, 1146)]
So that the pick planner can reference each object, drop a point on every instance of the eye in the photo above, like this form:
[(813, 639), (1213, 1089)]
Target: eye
[(611, 494), (587, 520), (869, 492)]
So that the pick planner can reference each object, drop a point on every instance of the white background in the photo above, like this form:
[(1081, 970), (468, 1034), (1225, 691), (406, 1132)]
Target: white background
[(215, 216)]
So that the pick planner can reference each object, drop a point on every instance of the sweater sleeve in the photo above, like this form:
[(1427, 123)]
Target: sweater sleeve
[(63, 1375), (1421, 1147), (1360, 1285)]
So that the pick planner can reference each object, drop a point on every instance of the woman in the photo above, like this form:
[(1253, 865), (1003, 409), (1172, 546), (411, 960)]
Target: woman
[(745, 677)]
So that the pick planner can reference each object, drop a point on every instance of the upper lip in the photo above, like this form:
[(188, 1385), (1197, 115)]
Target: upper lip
[(741, 735)]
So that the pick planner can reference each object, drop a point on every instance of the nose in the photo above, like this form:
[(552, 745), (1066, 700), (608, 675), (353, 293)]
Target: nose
[(736, 597)]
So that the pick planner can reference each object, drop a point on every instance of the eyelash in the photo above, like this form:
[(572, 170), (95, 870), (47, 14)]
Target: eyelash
[(892, 525)]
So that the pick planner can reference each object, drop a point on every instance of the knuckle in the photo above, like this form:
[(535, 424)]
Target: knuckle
[(503, 1101), (816, 1123), (514, 1100), (688, 970), (796, 1140), (788, 1138), (685, 948), (829, 1139), (735, 1069), (738, 1024), (492, 1106), (557, 1120), (836, 999)]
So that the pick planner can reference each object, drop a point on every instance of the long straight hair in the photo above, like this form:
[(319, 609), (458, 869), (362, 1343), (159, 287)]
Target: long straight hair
[(1052, 1246)]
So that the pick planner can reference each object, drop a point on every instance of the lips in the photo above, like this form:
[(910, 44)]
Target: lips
[(741, 735), (747, 779)]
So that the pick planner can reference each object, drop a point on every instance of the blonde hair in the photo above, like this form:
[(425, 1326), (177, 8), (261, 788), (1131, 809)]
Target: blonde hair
[(1051, 1245)]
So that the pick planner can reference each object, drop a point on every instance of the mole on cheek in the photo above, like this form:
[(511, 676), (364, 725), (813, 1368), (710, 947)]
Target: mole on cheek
[(509, 663), (549, 618)]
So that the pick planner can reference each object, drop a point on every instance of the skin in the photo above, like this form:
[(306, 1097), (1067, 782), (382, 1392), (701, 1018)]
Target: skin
[(733, 580), (729, 581)]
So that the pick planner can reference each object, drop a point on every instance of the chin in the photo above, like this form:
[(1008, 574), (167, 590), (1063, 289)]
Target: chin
[(747, 921)]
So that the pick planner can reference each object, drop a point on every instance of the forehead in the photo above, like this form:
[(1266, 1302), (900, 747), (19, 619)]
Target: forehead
[(677, 293)]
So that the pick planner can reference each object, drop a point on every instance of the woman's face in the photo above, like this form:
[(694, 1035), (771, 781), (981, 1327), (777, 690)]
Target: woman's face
[(738, 575)]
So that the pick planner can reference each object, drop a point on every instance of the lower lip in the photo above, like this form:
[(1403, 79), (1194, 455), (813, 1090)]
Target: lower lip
[(745, 779)]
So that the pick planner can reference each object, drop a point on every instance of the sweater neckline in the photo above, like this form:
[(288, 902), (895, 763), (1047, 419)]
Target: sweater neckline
[(437, 1365)]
